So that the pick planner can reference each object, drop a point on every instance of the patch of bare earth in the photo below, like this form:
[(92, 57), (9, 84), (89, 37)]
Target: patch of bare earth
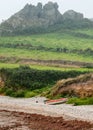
[(81, 86), (23, 121)]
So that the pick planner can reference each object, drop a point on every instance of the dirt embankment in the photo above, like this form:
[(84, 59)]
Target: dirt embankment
[(60, 63), (81, 86), (23, 121)]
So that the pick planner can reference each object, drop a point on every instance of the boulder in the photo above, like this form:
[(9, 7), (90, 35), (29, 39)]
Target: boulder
[(71, 14)]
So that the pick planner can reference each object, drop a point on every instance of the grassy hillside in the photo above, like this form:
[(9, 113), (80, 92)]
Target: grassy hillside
[(70, 45), (73, 45)]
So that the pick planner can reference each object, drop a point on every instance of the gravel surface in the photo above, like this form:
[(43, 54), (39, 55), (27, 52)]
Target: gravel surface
[(30, 105)]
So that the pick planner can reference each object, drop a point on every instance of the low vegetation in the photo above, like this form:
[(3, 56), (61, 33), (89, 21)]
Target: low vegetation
[(81, 101), (26, 81), (73, 45)]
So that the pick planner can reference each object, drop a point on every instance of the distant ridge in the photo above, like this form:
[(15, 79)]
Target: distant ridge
[(37, 19)]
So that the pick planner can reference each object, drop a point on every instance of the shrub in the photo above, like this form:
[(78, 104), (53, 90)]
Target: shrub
[(81, 101), (9, 92), (19, 93), (30, 94), (24, 77)]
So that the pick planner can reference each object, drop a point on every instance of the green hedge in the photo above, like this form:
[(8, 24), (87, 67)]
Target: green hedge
[(26, 78)]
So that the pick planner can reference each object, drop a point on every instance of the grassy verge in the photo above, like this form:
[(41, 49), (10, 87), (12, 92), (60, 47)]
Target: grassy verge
[(24, 93), (81, 101)]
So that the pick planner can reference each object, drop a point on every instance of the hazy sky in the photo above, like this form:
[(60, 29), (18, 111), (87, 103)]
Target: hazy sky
[(9, 7)]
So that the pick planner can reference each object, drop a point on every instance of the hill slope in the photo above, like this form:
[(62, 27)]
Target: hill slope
[(67, 39), (63, 45)]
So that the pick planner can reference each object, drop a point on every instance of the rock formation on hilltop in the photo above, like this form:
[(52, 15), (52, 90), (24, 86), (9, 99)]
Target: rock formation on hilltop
[(71, 14), (50, 12), (36, 19), (35, 16)]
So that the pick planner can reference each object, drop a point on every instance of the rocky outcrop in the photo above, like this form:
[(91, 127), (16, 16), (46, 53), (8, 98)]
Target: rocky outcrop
[(34, 16), (71, 14), (36, 19), (50, 12)]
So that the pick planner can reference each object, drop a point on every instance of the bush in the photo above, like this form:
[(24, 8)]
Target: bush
[(2, 90), (81, 101), (19, 93), (30, 94), (8, 92)]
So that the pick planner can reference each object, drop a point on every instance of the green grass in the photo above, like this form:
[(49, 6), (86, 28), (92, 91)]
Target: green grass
[(81, 101), (86, 31), (61, 39), (37, 54), (24, 93), (44, 67), (8, 65), (58, 39)]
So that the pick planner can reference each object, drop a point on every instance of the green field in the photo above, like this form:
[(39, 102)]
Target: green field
[(43, 67), (75, 45)]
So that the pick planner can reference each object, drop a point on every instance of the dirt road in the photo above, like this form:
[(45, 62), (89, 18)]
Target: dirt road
[(18, 114), (23, 121)]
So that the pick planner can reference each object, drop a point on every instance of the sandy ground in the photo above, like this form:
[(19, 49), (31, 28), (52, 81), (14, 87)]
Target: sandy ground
[(16, 114)]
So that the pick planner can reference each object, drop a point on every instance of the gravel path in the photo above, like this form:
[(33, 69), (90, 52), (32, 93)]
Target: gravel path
[(29, 105)]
